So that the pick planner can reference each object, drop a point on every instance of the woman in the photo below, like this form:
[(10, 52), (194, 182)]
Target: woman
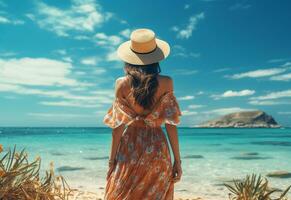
[(140, 166)]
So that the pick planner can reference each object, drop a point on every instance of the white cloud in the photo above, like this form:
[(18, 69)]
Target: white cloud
[(276, 60), (187, 31), (185, 72), (200, 92), (30, 16), (59, 115), (93, 98), (187, 55), (231, 93), (112, 56), (109, 43), (274, 95), (99, 70), (79, 104), (224, 111), (36, 71), (282, 77), (186, 6), (287, 64), (222, 70), (125, 33), (268, 102), (239, 6), (103, 92), (105, 40), (284, 113), (180, 51), (179, 47), (5, 20), (259, 73), (82, 37), (31, 91), (7, 53), (188, 113), (67, 59), (90, 60), (79, 73), (110, 40), (175, 28), (81, 16), (195, 106), (61, 51), (188, 97)]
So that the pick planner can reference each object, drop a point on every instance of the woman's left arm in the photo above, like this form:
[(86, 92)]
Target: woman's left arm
[(116, 136), (116, 133)]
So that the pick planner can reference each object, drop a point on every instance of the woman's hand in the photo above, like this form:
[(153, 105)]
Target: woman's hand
[(177, 171), (111, 166)]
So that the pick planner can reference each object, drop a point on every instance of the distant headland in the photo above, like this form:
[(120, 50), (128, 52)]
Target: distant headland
[(245, 119)]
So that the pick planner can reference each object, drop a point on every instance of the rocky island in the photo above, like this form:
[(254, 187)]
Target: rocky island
[(245, 119)]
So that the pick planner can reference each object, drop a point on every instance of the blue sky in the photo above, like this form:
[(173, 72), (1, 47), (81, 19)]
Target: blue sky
[(58, 62)]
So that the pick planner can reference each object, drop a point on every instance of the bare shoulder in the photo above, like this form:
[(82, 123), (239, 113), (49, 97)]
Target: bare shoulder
[(164, 77), (120, 80), (119, 85), (166, 83)]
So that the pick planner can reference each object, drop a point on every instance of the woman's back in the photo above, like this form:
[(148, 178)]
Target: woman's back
[(123, 89)]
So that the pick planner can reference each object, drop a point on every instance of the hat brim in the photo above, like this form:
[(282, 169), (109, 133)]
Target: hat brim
[(125, 53)]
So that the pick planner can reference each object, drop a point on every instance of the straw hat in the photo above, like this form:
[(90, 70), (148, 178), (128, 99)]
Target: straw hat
[(143, 48)]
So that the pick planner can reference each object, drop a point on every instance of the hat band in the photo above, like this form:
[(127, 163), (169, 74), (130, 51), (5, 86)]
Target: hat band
[(144, 52)]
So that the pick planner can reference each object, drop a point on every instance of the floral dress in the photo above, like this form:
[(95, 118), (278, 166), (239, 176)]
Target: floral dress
[(144, 168)]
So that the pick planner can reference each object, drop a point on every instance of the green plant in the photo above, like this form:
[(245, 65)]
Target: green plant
[(20, 179), (253, 188)]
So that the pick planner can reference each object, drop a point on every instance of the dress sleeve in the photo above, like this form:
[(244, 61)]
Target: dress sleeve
[(118, 114), (170, 109)]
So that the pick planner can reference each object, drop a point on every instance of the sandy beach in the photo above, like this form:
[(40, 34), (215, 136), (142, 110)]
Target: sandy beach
[(88, 195)]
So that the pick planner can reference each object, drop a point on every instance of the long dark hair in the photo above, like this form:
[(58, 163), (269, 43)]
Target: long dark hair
[(144, 82)]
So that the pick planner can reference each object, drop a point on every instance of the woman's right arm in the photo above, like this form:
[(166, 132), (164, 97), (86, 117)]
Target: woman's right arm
[(173, 137), (174, 141)]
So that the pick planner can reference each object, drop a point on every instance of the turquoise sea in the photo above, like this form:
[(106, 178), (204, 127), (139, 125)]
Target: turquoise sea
[(209, 156)]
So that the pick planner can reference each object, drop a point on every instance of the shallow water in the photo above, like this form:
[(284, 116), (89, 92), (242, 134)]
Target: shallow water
[(209, 156)]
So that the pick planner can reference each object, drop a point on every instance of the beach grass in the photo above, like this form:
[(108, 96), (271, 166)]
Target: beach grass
[(254, 187), (20, 179)]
